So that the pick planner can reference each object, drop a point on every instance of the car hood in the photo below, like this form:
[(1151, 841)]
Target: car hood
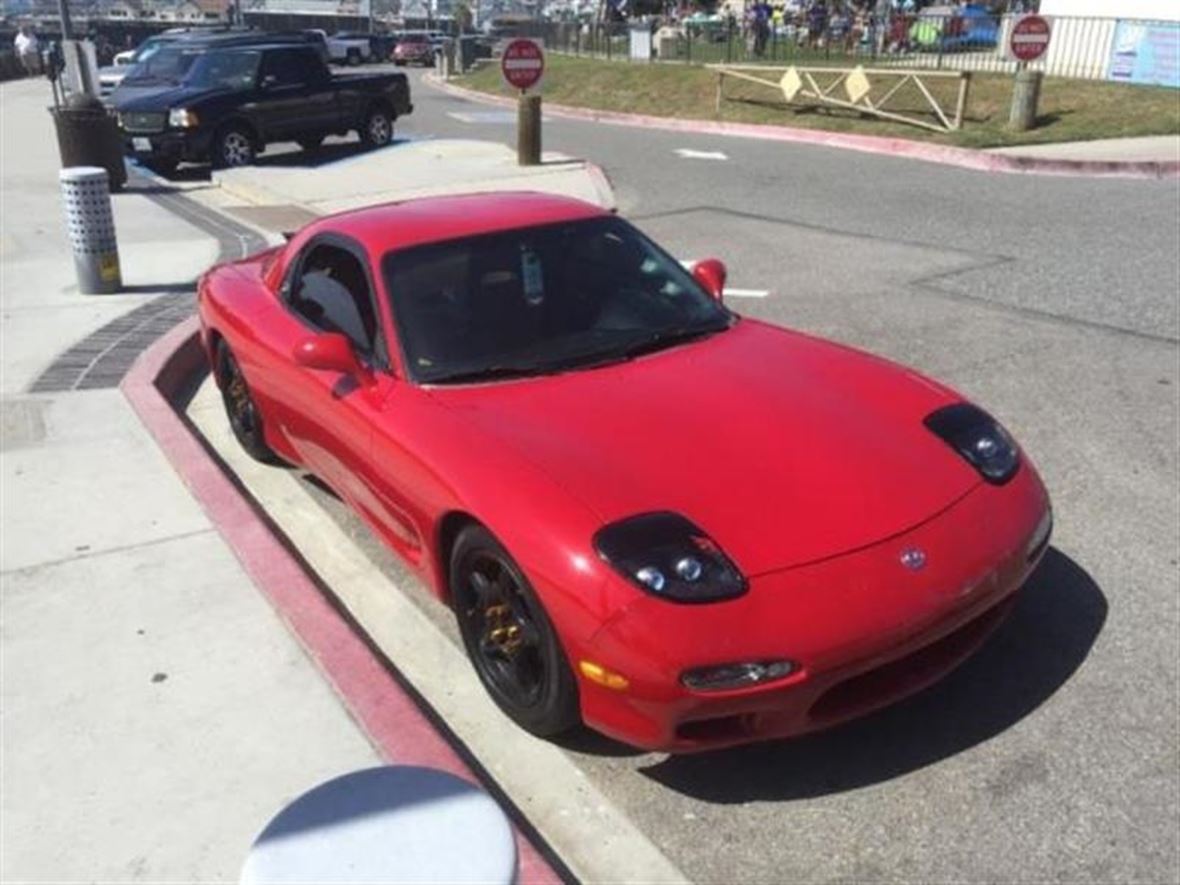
[(154, 96), (784, 448)]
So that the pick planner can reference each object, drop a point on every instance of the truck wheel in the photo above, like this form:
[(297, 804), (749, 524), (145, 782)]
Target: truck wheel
[(233, 147), (377, 130), (354, 57)]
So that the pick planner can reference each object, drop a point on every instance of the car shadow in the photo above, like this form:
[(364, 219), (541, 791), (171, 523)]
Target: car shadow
[(284, 156), (1059, 615)]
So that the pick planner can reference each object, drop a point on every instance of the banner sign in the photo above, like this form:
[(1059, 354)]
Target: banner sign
[(1146, 52)]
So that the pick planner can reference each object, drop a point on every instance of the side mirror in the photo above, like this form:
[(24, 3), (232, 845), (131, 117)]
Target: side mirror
[(332, 352), (710, 273)]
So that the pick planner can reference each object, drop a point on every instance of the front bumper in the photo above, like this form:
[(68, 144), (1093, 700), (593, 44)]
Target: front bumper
[(864, 630), (169, 146)]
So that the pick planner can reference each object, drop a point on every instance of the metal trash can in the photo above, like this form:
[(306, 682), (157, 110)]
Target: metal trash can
[(91, 226), (88, 135)]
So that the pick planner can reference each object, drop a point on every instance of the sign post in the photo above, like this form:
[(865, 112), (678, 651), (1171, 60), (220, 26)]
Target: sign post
[(522, 65), (1028, 41)]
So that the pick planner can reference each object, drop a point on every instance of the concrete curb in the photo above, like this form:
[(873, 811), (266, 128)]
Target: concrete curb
[(384, 709), (946, 155)]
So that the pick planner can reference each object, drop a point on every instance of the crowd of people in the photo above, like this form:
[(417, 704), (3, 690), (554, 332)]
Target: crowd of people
[(848, 24)]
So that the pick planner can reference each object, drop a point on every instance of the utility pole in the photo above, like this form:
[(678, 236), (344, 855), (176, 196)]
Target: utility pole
[(63, 12)]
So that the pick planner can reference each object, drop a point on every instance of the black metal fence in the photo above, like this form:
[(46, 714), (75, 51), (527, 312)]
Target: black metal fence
[(1080, 47)]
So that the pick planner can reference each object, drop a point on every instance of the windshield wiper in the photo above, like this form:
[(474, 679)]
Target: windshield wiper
[(663, 339), (492, 373)]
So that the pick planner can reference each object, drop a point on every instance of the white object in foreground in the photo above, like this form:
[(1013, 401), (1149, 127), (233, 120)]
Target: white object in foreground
[(690, 154), (389, 824)]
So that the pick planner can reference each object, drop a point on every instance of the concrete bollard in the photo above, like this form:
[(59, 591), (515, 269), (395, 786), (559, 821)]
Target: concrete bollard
[(1026, 93), (86, 196), (528, 130)]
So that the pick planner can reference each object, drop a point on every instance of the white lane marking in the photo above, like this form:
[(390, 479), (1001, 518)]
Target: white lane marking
[(483, 116), (690, 154), (593, 836)]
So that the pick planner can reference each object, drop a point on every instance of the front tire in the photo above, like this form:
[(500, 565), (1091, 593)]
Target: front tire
[(233, 148), (244, 418), (377, 129), (509, 638)]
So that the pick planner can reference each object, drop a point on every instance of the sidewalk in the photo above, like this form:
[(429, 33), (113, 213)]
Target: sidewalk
[(136, 654), (1151, 149), (155, 710)]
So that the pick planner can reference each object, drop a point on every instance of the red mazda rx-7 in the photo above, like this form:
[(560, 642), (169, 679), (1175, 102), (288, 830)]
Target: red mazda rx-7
[(680, 526)]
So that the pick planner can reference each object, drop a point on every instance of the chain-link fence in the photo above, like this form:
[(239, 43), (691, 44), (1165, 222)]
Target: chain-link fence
[(970, 41)]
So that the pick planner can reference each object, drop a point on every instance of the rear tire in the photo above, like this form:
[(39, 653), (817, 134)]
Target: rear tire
[(377, 129), (509, 638), (244, 418)]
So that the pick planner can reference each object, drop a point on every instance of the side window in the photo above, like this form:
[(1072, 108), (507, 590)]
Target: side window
[(286, 66), (332, 293)]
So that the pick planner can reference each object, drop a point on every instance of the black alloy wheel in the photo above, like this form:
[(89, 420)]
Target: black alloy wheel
[(244, 418), (509, 638)]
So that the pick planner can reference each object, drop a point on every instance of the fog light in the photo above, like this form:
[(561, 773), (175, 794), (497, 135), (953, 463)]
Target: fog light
[(726, 676)]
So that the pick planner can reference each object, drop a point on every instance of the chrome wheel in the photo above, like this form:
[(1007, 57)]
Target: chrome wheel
[(236, 149), (378, 129)]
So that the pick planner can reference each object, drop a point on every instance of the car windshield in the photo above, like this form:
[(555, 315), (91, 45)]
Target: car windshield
[(167, 64), (225, 69), (542, 299)]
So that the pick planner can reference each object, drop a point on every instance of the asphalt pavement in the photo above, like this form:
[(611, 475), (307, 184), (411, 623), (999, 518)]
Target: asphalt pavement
[(1052, 755)]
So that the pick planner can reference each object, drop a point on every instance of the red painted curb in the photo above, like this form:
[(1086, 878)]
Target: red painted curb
[(947, 155), (385, 711)]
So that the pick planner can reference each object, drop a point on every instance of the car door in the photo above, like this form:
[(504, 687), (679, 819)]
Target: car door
[(325, 415), (290, 102)]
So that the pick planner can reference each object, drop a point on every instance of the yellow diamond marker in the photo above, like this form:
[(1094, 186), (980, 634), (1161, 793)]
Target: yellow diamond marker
[(791, 83), (857, 85)]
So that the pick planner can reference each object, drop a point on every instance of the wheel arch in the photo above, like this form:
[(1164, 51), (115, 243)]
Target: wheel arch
[(446, 534)]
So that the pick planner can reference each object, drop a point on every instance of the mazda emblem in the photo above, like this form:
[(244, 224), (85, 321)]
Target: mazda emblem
[(913, 558)]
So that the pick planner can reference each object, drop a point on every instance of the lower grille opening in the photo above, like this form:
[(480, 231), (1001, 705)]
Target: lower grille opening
[(719, 729), (898, 678)]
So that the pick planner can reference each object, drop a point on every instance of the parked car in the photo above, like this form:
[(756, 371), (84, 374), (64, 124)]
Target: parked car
[(345, 48), (685, 528), (415, 48), (233, 101), (954, 29)]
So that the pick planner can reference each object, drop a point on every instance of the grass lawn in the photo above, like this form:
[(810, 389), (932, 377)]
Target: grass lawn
[(1070, 110)]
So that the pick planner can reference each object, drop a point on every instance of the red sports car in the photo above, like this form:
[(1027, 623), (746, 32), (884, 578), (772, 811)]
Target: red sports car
[(682, 527)]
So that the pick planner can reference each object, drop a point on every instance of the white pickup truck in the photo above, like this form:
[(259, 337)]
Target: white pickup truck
[(347, 49)]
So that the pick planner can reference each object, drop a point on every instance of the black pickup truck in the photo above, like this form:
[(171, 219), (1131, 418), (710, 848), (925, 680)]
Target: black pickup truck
[(233, 101)]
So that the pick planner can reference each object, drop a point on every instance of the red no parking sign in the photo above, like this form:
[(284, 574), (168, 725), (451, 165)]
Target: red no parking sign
[(522, 64)]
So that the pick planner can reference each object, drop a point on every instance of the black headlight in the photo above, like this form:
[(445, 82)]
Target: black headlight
[(979, 438), (666, 555)]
